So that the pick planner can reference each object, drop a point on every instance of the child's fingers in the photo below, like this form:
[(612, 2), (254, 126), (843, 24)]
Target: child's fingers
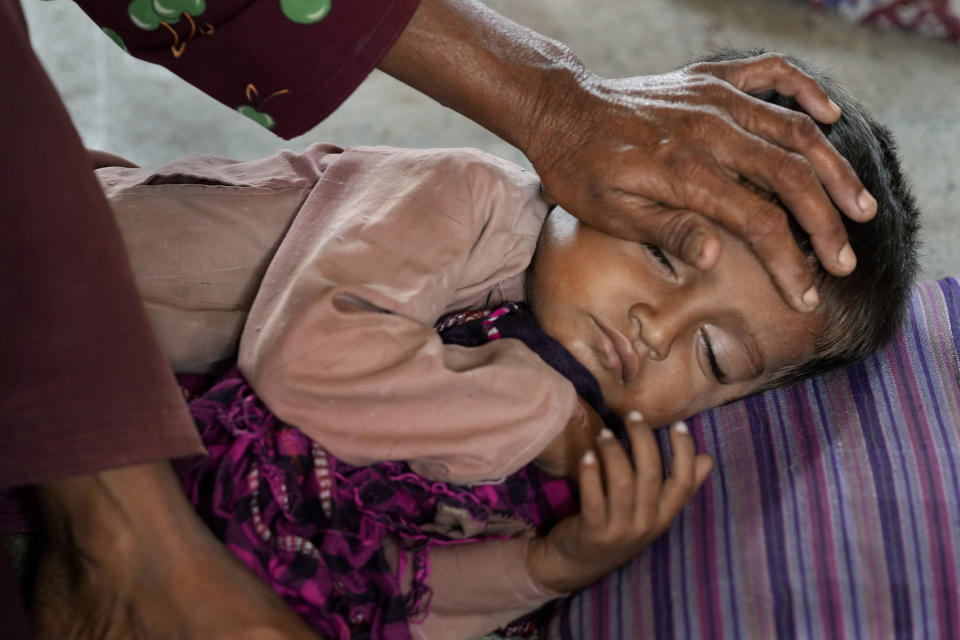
[(682, 469), (704, 465), (593, 506), (687, 473), (617, 476), (648, 475)]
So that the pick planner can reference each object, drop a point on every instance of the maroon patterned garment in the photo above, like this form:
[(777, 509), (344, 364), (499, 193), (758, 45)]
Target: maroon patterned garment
[(313, 527), (286, 64)]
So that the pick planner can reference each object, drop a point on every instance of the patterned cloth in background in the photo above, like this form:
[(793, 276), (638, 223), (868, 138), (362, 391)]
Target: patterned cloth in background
[(313, 527), (938, 18)]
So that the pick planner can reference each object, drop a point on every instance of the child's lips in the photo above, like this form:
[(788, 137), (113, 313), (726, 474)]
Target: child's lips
[(618, 352)]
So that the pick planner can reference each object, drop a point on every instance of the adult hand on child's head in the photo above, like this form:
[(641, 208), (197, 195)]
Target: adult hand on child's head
[(623, 507), (651, 158), (657, 158)]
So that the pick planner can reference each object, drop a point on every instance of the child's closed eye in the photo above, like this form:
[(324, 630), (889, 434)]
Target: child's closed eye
[(661, 257), (712, 357)]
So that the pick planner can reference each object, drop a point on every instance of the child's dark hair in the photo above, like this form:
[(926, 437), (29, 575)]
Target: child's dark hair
[(863, 309)]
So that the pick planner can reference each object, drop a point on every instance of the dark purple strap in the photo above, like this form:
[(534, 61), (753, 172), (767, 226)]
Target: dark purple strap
[(514, 320)]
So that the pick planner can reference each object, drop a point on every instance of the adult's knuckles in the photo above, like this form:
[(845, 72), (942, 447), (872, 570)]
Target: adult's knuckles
[(827, 226), (718, 90), (832, 229), (709, 122), (739, 72), (702, 68), (794, 170), (771, 67), (765, 221), (678, 229), (774, 64), (803, 131)]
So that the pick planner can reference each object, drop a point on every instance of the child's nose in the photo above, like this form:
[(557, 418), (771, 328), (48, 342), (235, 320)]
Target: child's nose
[(654, 331)]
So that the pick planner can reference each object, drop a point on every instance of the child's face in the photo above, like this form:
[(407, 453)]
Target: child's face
[(645, 323)]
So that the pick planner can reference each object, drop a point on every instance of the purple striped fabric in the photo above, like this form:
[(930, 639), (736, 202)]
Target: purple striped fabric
[(834, 510)]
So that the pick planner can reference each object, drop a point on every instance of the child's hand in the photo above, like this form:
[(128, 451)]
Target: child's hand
[(622, 508)]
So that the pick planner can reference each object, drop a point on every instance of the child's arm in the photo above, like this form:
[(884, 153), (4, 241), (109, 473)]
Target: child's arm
[(339, 341), (478, 587), (481, 586)]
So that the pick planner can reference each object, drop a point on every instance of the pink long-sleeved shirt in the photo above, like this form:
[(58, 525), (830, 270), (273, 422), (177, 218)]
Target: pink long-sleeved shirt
[(334, 265)]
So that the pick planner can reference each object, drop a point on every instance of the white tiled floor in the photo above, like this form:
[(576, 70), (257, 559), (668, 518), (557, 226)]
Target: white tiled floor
[(910, 82)]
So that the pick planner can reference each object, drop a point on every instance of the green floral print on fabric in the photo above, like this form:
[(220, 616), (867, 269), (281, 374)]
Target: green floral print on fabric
[(305, 11), (153, 14)]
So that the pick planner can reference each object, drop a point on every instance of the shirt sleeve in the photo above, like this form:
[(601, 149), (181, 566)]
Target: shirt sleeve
[(286, 64), (200, 233), (500, 588), (339, 341)]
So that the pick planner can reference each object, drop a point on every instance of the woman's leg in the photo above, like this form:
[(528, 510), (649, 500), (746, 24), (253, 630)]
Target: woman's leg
[(13, 623), (83, 384), (127, 557), (83, 387)]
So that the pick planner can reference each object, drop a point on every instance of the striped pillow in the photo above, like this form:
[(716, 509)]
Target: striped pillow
[(834, 510)]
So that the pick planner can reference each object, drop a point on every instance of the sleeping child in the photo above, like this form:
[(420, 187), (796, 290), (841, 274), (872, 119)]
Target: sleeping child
[(416, 327)]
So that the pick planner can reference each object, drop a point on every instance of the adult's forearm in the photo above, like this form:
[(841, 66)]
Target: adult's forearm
[(650, 158), (490, 69)]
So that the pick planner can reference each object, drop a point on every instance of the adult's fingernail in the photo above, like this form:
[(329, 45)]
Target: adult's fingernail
[(634, 416), (680, 427), (846, 258), (695, 247), (836, 108), (810, 298), (589, 457), (867, 203), (605, 434)]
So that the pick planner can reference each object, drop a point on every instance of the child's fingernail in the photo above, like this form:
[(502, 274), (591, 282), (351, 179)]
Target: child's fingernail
[(589, 457), (846, 258), (866, 202), (681, 427), (605, 434), (810, 298), (634, 416)]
